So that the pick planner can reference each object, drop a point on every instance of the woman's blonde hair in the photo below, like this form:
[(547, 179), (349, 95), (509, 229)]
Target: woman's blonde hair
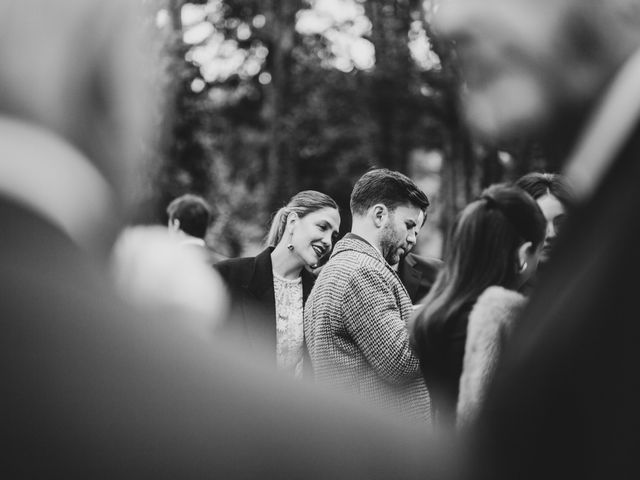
[(301, 204)]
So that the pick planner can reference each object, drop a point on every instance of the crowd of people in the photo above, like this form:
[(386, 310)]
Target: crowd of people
[(352, 323), (320, 358)]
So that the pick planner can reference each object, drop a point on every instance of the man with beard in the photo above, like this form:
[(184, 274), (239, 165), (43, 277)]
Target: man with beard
[(564, 402), (356, 316), (418, 273)]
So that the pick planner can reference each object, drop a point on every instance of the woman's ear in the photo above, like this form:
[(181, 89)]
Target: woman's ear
[(527, 262), (292, 218), (525, 252)]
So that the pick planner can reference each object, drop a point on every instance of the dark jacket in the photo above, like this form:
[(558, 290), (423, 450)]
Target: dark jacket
[(418, 275), (250, 280), (440, 348)]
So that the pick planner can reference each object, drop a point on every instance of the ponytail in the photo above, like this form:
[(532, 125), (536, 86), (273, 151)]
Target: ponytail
[(278, 225)]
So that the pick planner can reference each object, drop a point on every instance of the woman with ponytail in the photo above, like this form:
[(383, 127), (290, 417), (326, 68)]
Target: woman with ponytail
[(269, 290), (494, 249)]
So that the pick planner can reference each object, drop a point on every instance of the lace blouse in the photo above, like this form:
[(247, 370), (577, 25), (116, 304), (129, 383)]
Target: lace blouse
[(289, 326)]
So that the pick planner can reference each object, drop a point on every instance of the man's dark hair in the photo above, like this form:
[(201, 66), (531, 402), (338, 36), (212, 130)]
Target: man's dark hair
[(387, 187), (193, 212)]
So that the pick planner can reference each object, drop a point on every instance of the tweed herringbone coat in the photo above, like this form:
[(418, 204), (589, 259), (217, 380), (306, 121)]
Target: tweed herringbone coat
[(356, 330)]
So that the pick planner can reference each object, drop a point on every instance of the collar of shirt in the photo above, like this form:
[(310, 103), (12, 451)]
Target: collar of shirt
[(607, 130), (355, 236)]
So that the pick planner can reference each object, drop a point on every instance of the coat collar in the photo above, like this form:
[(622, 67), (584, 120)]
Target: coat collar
[(354, 242), (261, 272)]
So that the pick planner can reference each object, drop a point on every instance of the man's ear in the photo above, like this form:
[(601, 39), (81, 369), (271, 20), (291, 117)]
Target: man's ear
[(379, 212), (174, 225)]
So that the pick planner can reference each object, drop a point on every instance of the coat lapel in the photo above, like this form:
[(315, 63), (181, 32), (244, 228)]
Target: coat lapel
[(262, 324), (410, 275), (260, 283), (353, 242)]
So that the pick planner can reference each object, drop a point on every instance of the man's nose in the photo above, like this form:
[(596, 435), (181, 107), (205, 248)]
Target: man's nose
[(551, 230)]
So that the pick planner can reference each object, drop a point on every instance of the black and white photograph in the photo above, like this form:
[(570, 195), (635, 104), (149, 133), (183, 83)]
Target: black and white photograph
[(320, 239)]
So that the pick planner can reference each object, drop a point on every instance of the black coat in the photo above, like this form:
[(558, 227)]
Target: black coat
[(250, 280), (418, 274), (565, 402)]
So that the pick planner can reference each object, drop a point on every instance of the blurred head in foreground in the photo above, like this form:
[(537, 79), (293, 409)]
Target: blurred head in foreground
[(533, 66), (75, 105), (73, 69)]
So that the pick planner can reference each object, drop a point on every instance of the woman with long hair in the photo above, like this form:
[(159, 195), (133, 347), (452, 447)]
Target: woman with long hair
[(555, 198), (270, 289), (494, 249)]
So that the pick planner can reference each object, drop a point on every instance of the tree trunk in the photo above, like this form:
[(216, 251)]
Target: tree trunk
[(390, 83), (281, 173)]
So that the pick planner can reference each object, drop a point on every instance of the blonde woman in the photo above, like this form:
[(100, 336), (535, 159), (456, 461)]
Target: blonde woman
[(270, 289)]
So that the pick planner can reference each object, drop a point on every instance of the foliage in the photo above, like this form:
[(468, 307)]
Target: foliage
[(262, 105)]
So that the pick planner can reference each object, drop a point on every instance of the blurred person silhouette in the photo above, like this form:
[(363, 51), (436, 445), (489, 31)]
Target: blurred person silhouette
[(467, 316), (156, 270), (564, 399), (417, 273), (355, 320), (92, 387), (189, 217), (270, 289)]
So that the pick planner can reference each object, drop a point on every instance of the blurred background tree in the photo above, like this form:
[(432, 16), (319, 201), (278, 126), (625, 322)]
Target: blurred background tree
[(270, 97)]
